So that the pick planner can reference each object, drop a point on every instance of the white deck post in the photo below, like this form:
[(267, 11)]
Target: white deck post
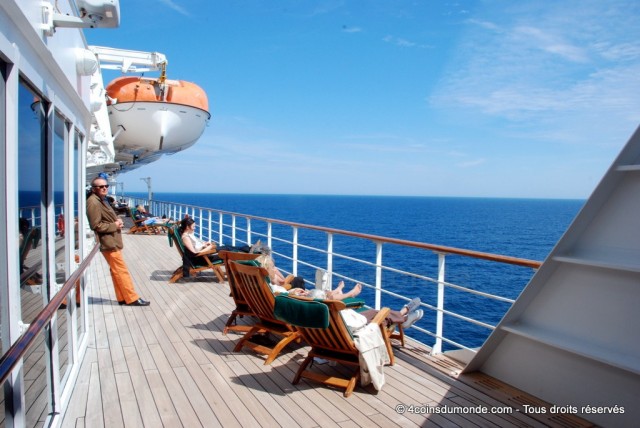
[(437, 346), (330, 260), (233, 230), (378, 301), (295, 251)]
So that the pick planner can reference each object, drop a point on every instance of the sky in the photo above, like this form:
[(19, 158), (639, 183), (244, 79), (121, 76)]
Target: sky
[(530, 99)]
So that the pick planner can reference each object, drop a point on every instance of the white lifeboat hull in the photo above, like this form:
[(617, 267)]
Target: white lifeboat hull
[(163, 127), (150, 117)]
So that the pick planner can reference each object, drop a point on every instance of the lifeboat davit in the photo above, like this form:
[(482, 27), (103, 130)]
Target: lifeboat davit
[(155, 115)]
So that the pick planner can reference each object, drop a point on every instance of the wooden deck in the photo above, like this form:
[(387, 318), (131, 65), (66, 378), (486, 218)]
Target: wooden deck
[(170, 365)]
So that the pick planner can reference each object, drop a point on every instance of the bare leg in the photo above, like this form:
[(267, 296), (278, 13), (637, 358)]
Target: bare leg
[(337, 294)]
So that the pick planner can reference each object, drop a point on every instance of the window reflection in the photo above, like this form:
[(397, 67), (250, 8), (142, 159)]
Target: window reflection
[(31, 136), (3, 114), (31, 220), (58, 196), (76, 232)]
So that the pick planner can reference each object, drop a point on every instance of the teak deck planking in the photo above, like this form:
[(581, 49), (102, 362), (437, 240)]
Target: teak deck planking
[(169, 365)]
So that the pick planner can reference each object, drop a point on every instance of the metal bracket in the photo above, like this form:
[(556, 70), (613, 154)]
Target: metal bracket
[(23, 327)]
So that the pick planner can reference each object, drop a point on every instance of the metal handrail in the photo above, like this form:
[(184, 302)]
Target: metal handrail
[(534, 264), (15, 353), (207, 223)]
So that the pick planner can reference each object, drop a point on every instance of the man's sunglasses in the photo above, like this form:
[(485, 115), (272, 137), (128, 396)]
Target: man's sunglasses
[(104, 186)]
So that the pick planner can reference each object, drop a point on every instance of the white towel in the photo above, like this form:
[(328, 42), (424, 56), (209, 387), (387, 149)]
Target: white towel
[(353, 320), (373, 355)]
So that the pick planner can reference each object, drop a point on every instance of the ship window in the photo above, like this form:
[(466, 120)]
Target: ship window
[(77, 218), (3, 115), (31, 138), (60, 136), (32, 126)]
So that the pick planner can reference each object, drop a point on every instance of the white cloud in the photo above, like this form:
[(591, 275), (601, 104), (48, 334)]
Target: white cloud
[(484, 24), (348, 29), (549, 41), (471, 163), (552, 70), (173, 5), (398, 41)]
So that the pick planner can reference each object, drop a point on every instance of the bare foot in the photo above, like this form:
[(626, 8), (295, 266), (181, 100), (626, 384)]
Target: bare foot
[(339, 287), (355, 290)]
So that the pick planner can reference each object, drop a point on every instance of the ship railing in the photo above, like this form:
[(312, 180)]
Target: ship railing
[(307, 248), (33, 214), (11, 363)]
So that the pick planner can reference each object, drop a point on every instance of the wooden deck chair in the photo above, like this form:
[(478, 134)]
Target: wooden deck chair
[(27, 275), (396, 331), (29, 243), (392, 331), (251, 282), (138, 224), (242, 307), (176, 240), (323, 328)]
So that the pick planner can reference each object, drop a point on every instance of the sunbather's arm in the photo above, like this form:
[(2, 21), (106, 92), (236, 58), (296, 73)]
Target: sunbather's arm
[(207, 249), (188, 244)]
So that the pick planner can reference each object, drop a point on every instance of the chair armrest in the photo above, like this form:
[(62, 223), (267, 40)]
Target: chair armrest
[(380, 316), (353, 302), (209, 262)]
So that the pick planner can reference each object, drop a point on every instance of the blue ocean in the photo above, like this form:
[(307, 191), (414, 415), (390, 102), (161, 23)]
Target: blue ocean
[(524, 228)]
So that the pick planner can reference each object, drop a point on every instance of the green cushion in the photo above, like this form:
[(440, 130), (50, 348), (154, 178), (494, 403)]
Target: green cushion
[(353, 302), (301, 313), (253, 262)]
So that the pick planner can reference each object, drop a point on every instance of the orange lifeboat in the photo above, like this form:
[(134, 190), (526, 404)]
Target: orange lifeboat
[(155, 116)]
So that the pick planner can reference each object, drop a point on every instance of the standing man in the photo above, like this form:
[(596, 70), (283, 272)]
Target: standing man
[(107, 225)]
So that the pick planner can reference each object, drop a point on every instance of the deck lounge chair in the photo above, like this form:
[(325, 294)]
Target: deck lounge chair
[(30, 241), (251, 282), (322, 327), (242, 307), (187, 264), (138, 224)]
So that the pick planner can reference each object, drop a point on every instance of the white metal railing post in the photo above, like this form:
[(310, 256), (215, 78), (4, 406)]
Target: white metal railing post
[(437, 346), (330, 261), (220, 228), (210, 234), (269, 233), (248, 230), (378, 301), (294, 256), (233, 230)]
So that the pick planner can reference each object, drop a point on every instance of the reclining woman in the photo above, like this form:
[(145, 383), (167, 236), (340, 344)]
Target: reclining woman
[(407, 315), (295, 285), (149, 219), (197, 248)]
